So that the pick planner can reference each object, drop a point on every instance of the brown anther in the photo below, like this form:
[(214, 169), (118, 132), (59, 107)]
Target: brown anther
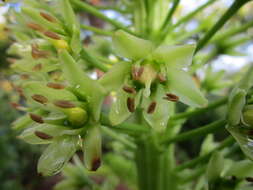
[(20, 91), (140, 71), (55, 85), (130, 104), (171, 97), (233, 178), (47, 17), (35, 26), (137, 72), (15, 105), (36, 118), (128, 89), (249, 179), (52, 35), (42, 135), (39, 98), (64, 104), (95, 164), (161, 77), (37, 67), (151, 107), (36, 53), (24, 76)]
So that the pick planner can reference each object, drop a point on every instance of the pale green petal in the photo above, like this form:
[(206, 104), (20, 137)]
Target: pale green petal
[(92, 148), (178, 56), (57, 155), (113, 79), (119, 111), (131, 47), (159, 119), (181, 84)]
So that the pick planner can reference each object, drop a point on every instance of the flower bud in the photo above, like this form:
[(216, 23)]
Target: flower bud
[(247, 116), (60, 44), (77, 116)]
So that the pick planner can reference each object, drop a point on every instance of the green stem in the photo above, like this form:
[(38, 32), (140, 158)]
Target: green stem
[(231, 32), (190, 15), (210, 128), (227, 142), (227, 15), (97, 30), (92, 10), (90, 59), (118, 137), (129, 128), (170, 13), (200, 110)]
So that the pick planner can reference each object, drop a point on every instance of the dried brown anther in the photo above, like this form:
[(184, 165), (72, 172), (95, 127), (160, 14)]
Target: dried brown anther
[(171, 97), (64, 104), (39, 98), (52, 35), (36, 118), (55, 85), (130, 104), (137, 72), (24, 76), (47, 17), (42, 135), (161, 77), (37, 67), (15, 105), (35, 26), (36, 53), (96, 164), (151, 107), (249, 179), (128, 89)]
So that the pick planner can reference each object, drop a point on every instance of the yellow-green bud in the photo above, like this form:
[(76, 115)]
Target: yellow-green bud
[(77, 116), (248, 116), (60, 44)]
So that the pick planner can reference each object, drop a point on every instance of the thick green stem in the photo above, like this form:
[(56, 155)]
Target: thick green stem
[(227, 15), (98, 31), (92, 10), (210, 128), (227, 142), (200, 110)]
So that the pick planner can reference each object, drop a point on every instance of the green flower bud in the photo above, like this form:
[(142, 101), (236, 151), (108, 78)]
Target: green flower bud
[(77, 116), (247, 116)]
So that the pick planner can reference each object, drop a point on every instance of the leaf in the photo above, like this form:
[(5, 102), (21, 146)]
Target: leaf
[(177, 56), (92, 146), (181, 84), (57, 155), (159, 118), (240, 169), (215, 167), (131, 47)]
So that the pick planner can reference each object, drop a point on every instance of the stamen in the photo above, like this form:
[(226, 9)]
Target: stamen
[(36, 118), (24, 76), (161, 78), (42, 135), (96, 164), (130, 104), (39, 98), (52, 35), (35, 27), (249, 179), (37, 67), (64, 104), (171, 97), (36, 53), (55, 85), (151, 107), (47, 17), (130, 90)]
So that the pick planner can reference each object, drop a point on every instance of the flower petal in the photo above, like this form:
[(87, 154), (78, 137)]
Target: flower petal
[(178, 56), (57, 155), (181, 84), (159, 118), (131, 47)]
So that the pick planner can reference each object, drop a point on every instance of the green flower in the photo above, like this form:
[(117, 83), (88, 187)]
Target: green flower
[(151, 78)]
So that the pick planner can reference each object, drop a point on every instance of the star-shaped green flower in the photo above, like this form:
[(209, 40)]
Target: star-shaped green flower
[(151, 78)]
